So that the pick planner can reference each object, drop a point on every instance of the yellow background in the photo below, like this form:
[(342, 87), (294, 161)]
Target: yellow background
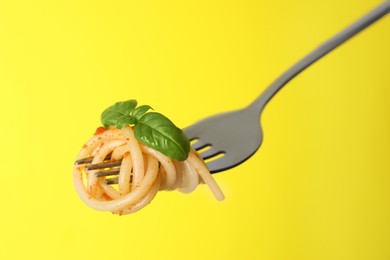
[(317, 189)]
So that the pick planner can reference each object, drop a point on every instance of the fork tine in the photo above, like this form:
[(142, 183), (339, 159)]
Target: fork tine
[(212, 152), (116, 180), (104, 165), (107, 173), (225, 162), (220, 164), (199, 145), (89, 160), (111, 181), (83, 161)]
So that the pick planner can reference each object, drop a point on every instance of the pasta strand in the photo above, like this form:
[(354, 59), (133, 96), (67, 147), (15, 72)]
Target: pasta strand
[(143, 172)]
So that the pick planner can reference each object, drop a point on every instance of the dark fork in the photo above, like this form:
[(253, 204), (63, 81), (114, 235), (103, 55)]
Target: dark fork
[(233, 137)]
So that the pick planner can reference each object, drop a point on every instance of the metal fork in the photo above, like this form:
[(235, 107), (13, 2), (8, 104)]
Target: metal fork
[(233, 137), (106, 168), (226, 140)]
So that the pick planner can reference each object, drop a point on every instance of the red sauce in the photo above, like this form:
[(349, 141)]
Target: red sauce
[(106, 196), (99, 130)]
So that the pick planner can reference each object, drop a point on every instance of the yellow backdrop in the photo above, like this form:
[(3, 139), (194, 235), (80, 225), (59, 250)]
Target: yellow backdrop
[(317, 189)]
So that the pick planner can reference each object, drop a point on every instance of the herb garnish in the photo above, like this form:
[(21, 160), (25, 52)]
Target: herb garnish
[(150, 128)]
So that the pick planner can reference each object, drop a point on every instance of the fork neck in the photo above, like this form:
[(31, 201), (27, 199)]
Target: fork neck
[(374, 15)]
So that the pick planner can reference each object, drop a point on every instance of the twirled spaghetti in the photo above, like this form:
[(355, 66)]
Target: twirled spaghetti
[(143, 172)]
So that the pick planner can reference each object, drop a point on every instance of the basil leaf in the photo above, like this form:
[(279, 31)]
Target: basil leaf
[(124, 120), (119, 114), (140, 111), (157, 131), (151, 128)]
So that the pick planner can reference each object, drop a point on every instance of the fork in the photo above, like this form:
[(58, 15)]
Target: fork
[(228, 139)]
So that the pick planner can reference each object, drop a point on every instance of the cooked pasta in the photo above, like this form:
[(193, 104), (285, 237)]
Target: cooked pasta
[(143, 172)]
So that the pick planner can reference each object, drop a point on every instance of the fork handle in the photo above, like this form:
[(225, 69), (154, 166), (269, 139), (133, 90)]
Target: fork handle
[(328, 46)]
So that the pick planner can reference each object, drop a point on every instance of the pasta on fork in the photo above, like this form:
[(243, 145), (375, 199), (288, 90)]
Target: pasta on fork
[(146, 166)]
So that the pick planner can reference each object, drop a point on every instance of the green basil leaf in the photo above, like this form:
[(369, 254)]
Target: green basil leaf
[(140, 111), (119, 114), (124, 120), (151, 128), (158, 132)]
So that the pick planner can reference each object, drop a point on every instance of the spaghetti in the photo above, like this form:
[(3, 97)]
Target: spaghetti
[(143, 172)]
